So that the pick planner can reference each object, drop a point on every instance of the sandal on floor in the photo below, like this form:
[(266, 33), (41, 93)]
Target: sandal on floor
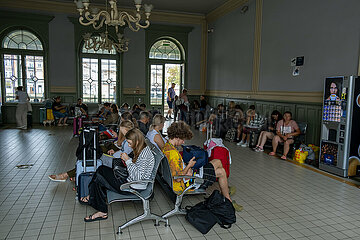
[(56, 179), (83, 202), (272, 154), (90, 219), (283, 157)]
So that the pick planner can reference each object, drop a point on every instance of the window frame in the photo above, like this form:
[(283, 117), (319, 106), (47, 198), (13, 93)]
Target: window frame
[(99, 57), (23, 53)]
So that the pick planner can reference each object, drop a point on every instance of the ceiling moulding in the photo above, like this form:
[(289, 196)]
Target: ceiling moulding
[(224, 9), (308, 97), (62, 7)]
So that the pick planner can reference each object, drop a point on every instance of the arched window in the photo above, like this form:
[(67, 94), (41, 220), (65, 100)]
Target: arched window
[(98, 75), (166, 58), (23, 58), (166, 50)]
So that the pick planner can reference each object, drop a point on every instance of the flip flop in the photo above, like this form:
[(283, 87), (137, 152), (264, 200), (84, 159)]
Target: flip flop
[(90, 219), (272, 154), (283, 157), (84, 203), (56, 180)]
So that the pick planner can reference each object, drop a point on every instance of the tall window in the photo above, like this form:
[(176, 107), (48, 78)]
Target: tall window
[(23, 57), (166, 67), (99, 75)]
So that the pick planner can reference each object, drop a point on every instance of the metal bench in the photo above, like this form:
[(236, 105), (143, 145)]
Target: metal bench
[(131, 194)]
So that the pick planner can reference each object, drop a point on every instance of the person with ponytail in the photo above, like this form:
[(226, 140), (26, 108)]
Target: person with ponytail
[(154, 133), (139, 166)]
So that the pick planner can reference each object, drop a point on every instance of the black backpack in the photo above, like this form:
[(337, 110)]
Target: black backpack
[(215, 209), (89, 145)]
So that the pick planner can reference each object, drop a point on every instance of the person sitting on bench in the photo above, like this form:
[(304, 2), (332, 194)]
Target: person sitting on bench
[(270, 133), (139, 167), (115, 149), (154, 133), (286, 130), (178, 132)]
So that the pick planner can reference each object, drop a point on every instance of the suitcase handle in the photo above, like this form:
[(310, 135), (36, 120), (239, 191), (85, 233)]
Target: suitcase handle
[(94, 148)]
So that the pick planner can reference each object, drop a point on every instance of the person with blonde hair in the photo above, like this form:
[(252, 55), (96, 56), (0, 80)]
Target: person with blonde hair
[(154, 133), (139, 166)]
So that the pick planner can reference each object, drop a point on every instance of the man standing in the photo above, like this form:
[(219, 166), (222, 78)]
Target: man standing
[(21, 108), (170, 100)]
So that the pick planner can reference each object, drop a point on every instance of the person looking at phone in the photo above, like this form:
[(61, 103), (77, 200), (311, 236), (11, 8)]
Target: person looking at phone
[(138, 167), (178, 132)]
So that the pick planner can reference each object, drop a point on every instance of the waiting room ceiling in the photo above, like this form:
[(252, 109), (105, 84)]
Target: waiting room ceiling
[(186, 6)]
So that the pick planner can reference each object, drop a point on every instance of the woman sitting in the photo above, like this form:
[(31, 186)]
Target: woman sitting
[(270, 133), (111, 118), (286, 130), (177, 133), (139, 167), (154, 133)]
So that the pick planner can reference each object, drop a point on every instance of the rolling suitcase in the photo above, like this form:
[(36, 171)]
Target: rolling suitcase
[(85, 168), (42, 115)]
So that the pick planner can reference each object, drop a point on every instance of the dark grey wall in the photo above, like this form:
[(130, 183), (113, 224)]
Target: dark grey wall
[(230, 51), (134, 60), (194, 58), (326, 32)]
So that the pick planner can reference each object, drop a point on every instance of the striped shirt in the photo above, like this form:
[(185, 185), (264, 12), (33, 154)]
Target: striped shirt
[(142, 168)]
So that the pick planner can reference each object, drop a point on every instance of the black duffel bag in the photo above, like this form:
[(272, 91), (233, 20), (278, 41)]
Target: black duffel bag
[(215, 209), (222, 208), (200, 217)]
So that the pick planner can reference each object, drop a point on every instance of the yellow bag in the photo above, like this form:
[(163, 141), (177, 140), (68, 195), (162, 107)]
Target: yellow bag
[(300, 156), (49, 115)]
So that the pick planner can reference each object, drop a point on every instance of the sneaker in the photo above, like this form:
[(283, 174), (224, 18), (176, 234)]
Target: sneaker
[(237, 207), (20, 127), (65, 124), (60, 125), (240, 143), (258, 149), (24, 128), (232, 190), (245, 144)]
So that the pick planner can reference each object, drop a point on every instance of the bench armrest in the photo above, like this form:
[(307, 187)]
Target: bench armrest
[(127, 186)]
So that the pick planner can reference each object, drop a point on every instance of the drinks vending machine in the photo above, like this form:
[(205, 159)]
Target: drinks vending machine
[(340, 132)]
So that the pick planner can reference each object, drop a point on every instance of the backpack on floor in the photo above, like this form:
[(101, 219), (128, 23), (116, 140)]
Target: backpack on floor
[(200, 217), (231, 134)]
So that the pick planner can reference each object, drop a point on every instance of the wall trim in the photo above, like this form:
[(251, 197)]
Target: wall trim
[(133, 91), (62, 89), (203, 56), (224, 9), (195, 92), (286, 96), (257, 46)]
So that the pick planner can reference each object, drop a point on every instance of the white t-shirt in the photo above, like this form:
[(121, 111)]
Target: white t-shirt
[(23, 96)]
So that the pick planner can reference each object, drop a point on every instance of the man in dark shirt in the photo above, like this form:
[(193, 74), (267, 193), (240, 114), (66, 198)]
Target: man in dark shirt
[(143, 122), (60, 111), (203, 103), (82, 106)]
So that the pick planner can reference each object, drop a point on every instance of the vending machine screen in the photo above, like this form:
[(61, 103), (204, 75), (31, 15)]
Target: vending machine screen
[(334, 97)]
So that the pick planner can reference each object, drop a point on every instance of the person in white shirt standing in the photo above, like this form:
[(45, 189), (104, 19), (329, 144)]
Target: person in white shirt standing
[(21, 108)]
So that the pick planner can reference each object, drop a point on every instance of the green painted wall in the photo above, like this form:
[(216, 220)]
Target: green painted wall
[(304, 112)]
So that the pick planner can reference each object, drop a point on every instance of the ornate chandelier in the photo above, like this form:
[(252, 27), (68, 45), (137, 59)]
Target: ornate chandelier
[(104, 43), (97, 18)]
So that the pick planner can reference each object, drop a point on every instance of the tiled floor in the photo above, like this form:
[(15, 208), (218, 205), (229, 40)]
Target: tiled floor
[(281, 200)]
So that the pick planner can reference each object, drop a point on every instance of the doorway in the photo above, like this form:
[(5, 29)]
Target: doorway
[(161, 78)]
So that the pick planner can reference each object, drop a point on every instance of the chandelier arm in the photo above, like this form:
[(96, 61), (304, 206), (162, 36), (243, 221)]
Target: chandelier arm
[(129, 19), (93, 20)]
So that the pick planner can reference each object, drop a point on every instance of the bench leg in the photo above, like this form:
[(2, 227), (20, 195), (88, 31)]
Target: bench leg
[(177, 209), (147, 215)]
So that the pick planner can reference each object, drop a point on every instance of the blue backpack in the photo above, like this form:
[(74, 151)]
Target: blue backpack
[(201, 156)]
